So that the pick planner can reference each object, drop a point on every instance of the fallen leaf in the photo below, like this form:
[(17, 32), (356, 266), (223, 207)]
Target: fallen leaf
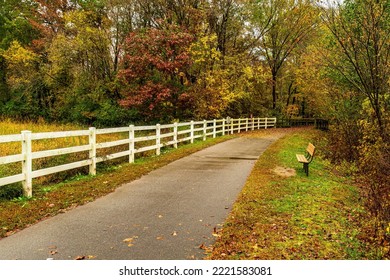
[(78, 258), (128, 240), (160, 238), (174, 233), (53, 252), (216, 232)]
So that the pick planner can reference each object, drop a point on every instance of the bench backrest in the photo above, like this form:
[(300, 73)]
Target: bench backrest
[(310, 150)]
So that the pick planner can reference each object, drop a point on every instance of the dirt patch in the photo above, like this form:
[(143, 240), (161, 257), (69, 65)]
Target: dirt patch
[(284, 172)]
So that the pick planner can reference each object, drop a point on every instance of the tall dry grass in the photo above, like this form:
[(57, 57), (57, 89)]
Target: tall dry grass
[(8, 126)]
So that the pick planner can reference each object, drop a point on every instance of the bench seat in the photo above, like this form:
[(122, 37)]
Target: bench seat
[(302, 158)]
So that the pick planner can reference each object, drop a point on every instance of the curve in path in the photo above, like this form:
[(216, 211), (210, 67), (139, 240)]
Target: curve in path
[(171, 213)]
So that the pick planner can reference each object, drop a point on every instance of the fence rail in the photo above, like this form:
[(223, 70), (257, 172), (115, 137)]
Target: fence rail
[(159, 135), (317, 123)]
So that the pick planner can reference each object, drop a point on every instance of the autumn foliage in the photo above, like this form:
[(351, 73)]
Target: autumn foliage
[(153, 71)]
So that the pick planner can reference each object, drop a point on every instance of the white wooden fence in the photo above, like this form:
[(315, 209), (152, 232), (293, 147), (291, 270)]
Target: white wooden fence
[(161, 135)]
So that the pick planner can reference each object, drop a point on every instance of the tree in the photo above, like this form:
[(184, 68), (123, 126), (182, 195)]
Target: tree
[(152, 72), (20, 62), (283, 25), (79, 68), (361, 29), (224, 20), (15, 23)]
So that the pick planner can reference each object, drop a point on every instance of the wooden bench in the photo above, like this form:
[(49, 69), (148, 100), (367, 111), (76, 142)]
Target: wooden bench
[(306, 159)]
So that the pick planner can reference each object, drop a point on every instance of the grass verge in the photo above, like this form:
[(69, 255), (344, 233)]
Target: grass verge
[(297, 217), (50, 200)]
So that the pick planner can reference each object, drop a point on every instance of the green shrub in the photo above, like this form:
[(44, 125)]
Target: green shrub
[(12, 191)]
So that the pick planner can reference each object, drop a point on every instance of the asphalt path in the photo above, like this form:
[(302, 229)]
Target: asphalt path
[(171, 213)]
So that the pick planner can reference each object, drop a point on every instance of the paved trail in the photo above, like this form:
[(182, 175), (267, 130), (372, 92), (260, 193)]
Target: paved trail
[(167, 214)]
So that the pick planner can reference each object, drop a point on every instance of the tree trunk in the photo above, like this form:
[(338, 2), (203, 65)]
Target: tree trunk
[(274, 97)]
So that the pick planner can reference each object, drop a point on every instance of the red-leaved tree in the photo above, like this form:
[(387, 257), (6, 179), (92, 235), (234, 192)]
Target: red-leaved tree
[(153, 67)]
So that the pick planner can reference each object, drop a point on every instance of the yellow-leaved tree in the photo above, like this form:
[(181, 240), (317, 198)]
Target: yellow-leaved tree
[(220, 82), (21, 64)]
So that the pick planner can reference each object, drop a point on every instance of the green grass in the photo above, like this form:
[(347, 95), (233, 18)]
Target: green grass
[(298, 217)]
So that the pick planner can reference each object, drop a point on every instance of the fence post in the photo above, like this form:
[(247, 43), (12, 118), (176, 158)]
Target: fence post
[(232, 126), (175, 134), (192, 132), (253, 123), (239, 125), (158, 139), (92, 150), (247, 124), (223, 127), (214, 128), (131, 143), (204, 129), (265, 125), (27, 163)]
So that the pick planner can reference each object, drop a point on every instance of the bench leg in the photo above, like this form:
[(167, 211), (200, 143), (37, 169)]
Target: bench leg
[(306, 168)]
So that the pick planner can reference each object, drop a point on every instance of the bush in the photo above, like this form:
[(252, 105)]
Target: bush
[(343, 141), (12, 191), (110, 114), (358, 145), (374, 165)]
